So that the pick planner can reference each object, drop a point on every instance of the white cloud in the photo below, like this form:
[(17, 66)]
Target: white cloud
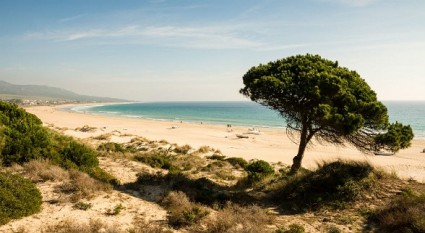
[(72, 18), (214, 37), (353, 3)]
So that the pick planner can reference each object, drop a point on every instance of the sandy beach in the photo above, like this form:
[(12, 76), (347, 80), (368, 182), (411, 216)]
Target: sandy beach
[(271, 145)]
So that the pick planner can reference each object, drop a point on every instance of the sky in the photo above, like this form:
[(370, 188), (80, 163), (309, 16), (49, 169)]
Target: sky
[(198, 50)]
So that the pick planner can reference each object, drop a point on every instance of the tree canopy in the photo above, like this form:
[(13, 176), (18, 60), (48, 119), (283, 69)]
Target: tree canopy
[(318, 98)]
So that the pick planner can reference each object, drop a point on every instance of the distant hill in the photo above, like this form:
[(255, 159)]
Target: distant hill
[(46, 92)]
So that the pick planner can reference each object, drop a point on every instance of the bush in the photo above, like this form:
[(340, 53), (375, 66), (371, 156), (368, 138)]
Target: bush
[(258, 170), (156, 159), (25, 139), (236, 161), (18, 197), (24, 136), (80, 155), (405, 214), (334, 184)]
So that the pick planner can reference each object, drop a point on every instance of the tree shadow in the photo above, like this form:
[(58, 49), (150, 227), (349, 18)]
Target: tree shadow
[(153, 187)]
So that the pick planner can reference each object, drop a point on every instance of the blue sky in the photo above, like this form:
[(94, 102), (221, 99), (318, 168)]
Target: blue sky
[(163, 50)]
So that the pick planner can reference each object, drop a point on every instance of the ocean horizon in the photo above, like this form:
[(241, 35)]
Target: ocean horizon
[(239, 113)]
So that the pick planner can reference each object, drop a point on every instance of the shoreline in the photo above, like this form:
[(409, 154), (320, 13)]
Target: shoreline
[(271, 144), (419, 135)]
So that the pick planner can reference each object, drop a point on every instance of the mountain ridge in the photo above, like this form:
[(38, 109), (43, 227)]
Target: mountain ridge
[(43, 91)]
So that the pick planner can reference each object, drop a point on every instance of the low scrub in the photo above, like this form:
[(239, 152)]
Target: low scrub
[(81, 185), (25, 139), (80, 155), (237, 162), (404, 214), (82, 206), (258, 170), (333, 184), (181, 211), (156, 159), (18, 197), (112, 147)]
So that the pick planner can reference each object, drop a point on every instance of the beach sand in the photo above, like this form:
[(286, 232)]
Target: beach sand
[(271, 145)]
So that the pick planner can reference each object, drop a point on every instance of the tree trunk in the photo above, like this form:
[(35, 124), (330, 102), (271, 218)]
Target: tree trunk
[(296, 161)]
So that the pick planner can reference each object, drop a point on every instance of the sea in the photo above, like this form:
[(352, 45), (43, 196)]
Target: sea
[(241, 113)]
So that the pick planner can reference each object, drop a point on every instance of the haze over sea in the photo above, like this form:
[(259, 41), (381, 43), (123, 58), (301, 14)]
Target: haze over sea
[(242, 113)]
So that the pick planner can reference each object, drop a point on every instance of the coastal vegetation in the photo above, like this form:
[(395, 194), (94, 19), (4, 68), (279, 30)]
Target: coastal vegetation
[(25, 140), (318, 98), (18, 197), (201, 190)]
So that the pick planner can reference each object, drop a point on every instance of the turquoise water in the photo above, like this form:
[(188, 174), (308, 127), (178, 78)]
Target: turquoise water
[(241, 113)]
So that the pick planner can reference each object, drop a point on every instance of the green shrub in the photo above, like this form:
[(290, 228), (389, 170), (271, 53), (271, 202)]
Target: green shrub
[(82, 206), (405, 214), (111, 147), (101, 175), (18, 197), (258, 170), (80, 155), (236, 161), (25, 139), (157, 159), (116, 210), (216, 157), (24, 136)]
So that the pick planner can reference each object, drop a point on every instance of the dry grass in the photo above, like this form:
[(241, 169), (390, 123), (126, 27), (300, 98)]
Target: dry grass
[(72, 226), (182, 149), (187, 162), (86, 128), (235, 218), (404, 214), (81, 186), (105, 137), (204, 149), (182, 212), (42, 170), (142, 226)]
